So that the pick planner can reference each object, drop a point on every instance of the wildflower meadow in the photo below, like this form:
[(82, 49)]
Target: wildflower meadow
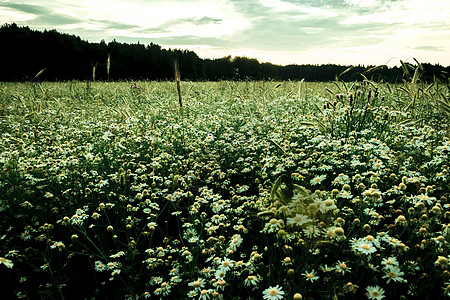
[(250, 190)]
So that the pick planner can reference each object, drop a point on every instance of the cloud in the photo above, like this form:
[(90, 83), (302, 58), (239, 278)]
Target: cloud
[(194, 21), (42, 15), (183, 22), (26, 8), (297, 27), (114, 25), (205, 21), (429, 48), (54, 20)]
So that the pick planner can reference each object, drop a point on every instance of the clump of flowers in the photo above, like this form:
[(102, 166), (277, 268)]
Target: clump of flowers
[(301, 213)]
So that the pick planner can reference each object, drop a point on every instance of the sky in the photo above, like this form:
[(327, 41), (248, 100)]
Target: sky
[(346, 32)]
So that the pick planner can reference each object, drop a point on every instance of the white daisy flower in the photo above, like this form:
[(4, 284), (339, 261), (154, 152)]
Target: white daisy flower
[(251, 280), (298, 220), (342, 267), (393, 273), (235, 242), (311, 276), (364, 247), (389, 261), (318, 179), (273, 293), (100, 267), (198, 284), (311, 231), (8, 263), (375, 292), (225, 264)]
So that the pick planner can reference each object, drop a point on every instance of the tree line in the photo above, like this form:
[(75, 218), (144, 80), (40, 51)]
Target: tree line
[(28, 54)]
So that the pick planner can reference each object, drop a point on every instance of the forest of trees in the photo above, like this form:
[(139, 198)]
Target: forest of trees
[(24, 53)]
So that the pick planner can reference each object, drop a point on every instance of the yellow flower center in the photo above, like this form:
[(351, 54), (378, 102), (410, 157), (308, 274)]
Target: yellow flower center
[(273, 292), (375, 293), (339, 231), (310, 275), (365, 246), (221, 282), (196, 283), (298, 296), (442, 260), (343, 266), (329, 203)]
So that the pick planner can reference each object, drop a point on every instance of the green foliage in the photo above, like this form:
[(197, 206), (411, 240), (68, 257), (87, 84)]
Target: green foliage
[(425, 103)]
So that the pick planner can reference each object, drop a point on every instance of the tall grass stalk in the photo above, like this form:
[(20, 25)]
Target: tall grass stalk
[(177, 75), (94, 69), (108, 64), (40, 72)]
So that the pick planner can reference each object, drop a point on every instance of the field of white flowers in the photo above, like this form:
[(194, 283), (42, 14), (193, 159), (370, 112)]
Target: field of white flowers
[(251, 190)]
